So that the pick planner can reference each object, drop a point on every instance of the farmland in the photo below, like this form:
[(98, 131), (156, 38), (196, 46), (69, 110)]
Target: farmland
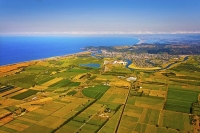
[(95, 92), (63, 95)]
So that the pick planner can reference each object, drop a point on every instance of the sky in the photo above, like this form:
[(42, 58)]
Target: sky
[(98, 16)]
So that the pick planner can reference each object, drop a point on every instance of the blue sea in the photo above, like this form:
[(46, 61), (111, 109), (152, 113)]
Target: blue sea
[(14, 49)]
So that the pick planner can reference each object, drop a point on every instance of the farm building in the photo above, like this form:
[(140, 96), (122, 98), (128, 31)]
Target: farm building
[(131, 79), (120, 62)]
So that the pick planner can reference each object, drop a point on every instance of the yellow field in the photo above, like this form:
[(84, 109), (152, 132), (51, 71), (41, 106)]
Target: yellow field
[(120, 83), (3, 112), (47, 121), (131, 113), (115, 95), (8, 68), (141, 104), (151, 129), (9, 102), (57, 123), (43, 63), (145, 91), (16, 93), (6, 120), (157, 93), (26, 120), (52, 82), (19, 128), (32, 105), (10, 91), (145, 68), (65, 110), (37, 87), (52, 107)]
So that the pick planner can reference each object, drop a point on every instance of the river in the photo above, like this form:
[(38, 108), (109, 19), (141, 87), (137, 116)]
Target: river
[(168, 66)]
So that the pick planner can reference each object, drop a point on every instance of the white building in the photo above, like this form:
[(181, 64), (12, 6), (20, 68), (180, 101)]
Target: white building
[(120, 62), (131, 79)]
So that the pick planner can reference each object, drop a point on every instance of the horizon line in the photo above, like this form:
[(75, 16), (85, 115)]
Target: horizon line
[(98, 33)]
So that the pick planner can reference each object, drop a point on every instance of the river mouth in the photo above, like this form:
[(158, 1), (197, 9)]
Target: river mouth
[(129, 62)]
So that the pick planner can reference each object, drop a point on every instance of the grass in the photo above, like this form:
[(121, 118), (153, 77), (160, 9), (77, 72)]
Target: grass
[(56, 62), (134, 109), (143, 113), (73, 92), (25, 81), (60, 83), (190, 82), (16, 121), (152, 116), (95, 92), (130, 118), (37, 129), (153, 102), (7, 130), (69, 120), (85, 60), (140, 127), (188, 67), (173, 120), (180, 100), (71, 72), (35, 67), (74, 84), (11, 108), (131, 100), (89, 127), (34, 116), (96, 121), (121, 69), (25, 94), (113, 106), (43, 80), (183, 95)]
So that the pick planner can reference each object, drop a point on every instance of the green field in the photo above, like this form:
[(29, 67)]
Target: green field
[(176, 120), (71, 72), (180, 100), (60, 83), (25, 94), (95, 92), (78, 101), (43, 80), (72, 92)]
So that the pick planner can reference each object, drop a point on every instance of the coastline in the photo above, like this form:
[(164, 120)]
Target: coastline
[(141, 41), (11, 69), (48, 58), (22, 48)]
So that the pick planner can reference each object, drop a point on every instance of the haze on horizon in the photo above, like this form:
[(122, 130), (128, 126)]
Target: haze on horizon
[(99, 16)]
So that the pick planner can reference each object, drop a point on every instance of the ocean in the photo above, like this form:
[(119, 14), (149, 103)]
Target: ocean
[(14, 49)]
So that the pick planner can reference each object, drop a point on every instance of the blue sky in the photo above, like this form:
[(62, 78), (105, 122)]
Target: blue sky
[(47, 16)]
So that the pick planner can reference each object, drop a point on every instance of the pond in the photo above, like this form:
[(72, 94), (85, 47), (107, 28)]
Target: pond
[(93, 65)]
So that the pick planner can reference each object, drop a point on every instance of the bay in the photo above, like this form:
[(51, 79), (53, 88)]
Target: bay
[(14, 49)]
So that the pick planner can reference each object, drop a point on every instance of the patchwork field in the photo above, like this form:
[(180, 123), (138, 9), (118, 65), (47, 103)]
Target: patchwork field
[(95, 92), (61, 95)]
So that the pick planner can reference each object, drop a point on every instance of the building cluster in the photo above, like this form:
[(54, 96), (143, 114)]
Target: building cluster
[(120, 62), (142, 59)]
